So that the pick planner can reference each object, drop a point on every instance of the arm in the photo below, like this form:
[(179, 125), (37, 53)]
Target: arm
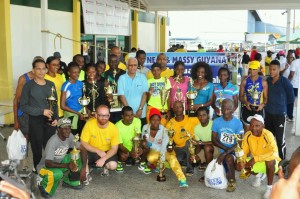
[(271, 154), (265, 95), (31, 110), (83, 155), (64, 107), (142, 104), (236, 102), (123, 100), (291, 75), (111, 152), (16, 101), (92, 149)]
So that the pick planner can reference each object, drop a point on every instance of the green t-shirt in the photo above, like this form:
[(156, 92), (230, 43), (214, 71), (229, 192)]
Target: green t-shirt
[(155, 99), (203, 133), (126, 133)]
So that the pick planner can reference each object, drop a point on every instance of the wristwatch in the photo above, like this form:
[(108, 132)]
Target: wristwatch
[(141, 108)]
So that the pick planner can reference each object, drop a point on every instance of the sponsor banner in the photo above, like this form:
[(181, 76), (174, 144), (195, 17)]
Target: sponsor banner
[(215, 61), (106, 17)]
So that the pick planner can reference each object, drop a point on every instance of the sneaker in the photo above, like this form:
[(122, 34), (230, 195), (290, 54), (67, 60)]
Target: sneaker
[(231, 186), (44, 194), (289, 119), (129, 162), (144, 167), (72, 187), (258, 178), (105, 172), (119, 168), (183, 183), (88, 179), (189, 172), (267, 193)]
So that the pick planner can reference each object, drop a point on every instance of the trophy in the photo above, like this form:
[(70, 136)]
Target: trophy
[(254, 93), (171, 133), (220, 103), (191, 95), (74, 154), (51, 102), (136, 143), (191, 147), (84, 101), (239, 154), (109, 90), (94, 94), (161, 165), (164, 95)]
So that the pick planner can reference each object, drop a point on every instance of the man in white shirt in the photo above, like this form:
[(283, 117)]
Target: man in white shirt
[(294, 78)]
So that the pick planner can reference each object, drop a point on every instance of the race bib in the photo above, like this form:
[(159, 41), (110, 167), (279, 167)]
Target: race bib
[(227, 138)]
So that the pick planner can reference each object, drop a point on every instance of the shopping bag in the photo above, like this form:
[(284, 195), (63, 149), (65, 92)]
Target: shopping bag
[(16, 146), (215, 175)]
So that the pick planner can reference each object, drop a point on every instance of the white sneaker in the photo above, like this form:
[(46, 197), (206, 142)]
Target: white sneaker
[(88, 179), (258, 178), (267, 193)]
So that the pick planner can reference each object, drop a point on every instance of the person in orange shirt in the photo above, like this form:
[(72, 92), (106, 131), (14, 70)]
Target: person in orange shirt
[(182, 125)]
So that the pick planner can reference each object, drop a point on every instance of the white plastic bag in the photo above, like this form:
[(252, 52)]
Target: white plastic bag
[(215, 175), (16, 146)]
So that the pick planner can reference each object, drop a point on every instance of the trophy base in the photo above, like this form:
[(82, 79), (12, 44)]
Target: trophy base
[(49, 120), (171, 147), (192, 114), (161, 178)]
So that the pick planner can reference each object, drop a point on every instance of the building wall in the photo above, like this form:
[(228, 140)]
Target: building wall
[(26, 36), (270, 28), (146, 36)]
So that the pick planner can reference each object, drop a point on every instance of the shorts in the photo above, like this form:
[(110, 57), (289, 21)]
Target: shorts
[(260, 167), (245, 113), (93, 157), (24, 123)]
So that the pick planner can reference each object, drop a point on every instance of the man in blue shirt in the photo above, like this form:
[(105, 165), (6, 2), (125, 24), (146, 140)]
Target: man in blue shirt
[(280, 94), (133, 88), (223, 130)]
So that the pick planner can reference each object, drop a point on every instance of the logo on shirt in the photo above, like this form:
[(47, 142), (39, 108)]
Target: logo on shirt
[(61, 152)]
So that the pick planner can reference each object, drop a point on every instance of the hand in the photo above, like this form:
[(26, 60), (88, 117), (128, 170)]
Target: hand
[(16, 125), (286, 66), (13, 191), (82, 174), (81, 117), (247, 104), (73, 166), (101, 153), (100, 162), (240, 166), (151, 89), (139, 113), (250, 164), (195, 143), (218, 111), (168, 115), (260, 107), (136, 154), (221, 157), (48, 113), (287, 188), (54, 123)]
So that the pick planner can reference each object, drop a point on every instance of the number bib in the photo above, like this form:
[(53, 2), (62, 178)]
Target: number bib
[(227, 138)]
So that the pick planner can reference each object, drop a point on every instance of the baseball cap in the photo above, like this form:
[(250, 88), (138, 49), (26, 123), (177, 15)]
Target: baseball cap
[(63, 122), (254, 65), (281, 52), (257, 117), (57, 55), (154, 111)]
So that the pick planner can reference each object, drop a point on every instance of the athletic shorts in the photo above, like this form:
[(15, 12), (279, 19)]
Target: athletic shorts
[(93, 157), (245, 113)]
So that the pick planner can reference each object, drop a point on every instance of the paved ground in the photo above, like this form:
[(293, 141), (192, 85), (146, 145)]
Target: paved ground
[(135, 184)]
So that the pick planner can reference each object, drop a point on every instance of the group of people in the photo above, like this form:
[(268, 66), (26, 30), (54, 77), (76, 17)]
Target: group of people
[(159, 124)]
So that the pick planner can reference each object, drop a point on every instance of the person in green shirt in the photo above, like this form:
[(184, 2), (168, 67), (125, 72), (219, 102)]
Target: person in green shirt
[(128, 127), (203, 135)]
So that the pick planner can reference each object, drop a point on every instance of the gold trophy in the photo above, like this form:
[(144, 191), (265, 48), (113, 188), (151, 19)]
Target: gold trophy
[(254, 93), (191, 95), (220, 102), (161, 165), (116, 103), (171, 133), (109, 90), (51, 102), (84, 101), (136, 143), (191, 147), (75, 152), (94, 94), (239, 152), (164, 95)]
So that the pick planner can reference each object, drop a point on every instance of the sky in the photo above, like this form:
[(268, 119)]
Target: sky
[(208, 23)]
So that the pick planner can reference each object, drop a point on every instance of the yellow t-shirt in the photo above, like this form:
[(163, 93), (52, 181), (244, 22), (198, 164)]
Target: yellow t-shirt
[(188, 123), (58, 82), (155, 99), (263, 148), (126, 133), (121, 66), (268, 60), (80, 78), (181, 50), (99, 138), (168, 72)]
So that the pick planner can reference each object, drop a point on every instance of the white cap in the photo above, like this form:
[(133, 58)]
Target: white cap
[(257, 117)]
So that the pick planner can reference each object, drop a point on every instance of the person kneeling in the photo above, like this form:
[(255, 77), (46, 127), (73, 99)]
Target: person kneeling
[(265, 158), (56, 162), (155, 145)]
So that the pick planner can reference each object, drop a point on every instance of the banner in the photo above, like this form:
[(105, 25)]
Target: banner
[(107, 17), (215, 61)]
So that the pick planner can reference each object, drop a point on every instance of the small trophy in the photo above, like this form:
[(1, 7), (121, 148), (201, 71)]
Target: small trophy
[(136, 143), (51, 102), (254, 93), (171, 133), (191, 147), (191, 95), (75, 153), (239, 154), (220, 103), (94, 94), (109, 90), (84, 101), (161, 165), (164, 95)]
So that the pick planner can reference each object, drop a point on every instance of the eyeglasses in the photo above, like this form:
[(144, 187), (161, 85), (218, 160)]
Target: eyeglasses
[(103, 116)]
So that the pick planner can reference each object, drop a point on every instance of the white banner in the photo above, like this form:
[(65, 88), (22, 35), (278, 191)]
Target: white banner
[(106, 17)]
